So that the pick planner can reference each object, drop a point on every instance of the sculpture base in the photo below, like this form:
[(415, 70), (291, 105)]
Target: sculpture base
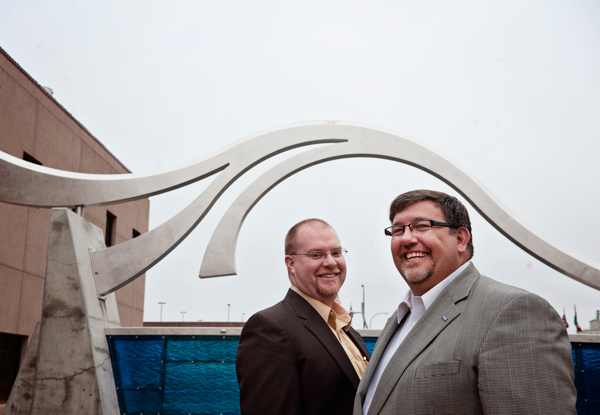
[(67, 367)]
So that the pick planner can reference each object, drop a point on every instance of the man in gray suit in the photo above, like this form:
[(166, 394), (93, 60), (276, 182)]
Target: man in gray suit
[(461, 343)]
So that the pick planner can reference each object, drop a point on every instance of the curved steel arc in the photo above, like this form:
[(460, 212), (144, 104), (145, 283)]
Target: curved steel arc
[(219, 258), (118, 265), (39, 186)]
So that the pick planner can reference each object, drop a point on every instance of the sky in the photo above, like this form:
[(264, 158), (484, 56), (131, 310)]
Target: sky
[(507, 90)]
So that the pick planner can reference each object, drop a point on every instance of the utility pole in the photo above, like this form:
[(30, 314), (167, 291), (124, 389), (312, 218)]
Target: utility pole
[(161, 304), (362, 307)]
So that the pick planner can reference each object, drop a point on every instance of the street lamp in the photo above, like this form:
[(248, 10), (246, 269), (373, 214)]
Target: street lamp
[(228, 305), (371, 322), (161, 304), (182, 315), (243, 317)]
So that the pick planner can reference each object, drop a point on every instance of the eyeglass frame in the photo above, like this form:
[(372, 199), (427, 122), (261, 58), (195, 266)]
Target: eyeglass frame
[(343, 252), (432, 223)]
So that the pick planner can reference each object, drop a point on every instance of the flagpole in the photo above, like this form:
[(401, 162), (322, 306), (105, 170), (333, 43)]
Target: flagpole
[(564, 319), (575, 320)]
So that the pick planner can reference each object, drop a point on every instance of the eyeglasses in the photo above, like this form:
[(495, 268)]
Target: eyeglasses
[(321, 255), (418, 226)]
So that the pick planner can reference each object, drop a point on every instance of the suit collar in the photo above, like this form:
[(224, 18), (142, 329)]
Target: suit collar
[(319, 328), (341, 314), (436, 318), (430, 296), (462, 285)]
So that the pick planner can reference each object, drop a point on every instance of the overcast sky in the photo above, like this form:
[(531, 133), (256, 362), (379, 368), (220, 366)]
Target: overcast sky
[(509, 90)]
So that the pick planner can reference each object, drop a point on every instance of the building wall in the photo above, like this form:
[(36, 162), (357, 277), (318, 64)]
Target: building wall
[(32, 121)]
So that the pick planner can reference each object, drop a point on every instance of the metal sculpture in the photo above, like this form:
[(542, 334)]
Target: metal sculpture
[(103, 270)]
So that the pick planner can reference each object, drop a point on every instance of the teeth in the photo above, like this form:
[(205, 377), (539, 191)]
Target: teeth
[(415, 255), (328, 275)]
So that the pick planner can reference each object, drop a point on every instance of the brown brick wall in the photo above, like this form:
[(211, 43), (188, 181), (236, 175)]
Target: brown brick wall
[(32, 122)]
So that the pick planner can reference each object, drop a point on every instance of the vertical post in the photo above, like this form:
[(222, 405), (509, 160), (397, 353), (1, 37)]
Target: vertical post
[(362, 306), (161, 305), (182, 315), (228, 312)]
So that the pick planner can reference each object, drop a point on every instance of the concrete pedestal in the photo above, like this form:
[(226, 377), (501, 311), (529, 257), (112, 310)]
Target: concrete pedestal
[(67, 368)]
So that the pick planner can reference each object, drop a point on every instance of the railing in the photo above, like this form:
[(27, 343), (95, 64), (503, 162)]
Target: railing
[(172, 371)]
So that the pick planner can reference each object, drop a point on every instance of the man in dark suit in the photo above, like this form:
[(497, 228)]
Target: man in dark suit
[(301, 356), (461, 343)]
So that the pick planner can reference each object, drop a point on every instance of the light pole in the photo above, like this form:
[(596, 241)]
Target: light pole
[(161, 304), (228, 305), (182, 315), (362, 306), (243, 317), (371, 322)]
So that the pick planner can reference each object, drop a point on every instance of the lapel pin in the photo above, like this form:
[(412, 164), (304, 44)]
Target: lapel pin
[(444, 318)]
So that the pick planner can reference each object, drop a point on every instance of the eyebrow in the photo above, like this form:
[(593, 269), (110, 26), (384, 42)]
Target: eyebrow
[(414, 220)]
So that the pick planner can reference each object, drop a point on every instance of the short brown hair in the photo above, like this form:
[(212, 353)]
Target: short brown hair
[(290, 238), (455, 213)]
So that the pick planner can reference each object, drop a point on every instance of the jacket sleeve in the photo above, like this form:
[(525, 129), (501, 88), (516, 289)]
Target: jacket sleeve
[(267, 369), (525, 364)]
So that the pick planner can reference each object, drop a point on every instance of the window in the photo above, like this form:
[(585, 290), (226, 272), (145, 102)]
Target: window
[(28, 157), (11, 346), (110, 232)]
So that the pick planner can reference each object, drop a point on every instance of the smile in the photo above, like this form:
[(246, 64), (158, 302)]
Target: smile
[(415, 255), (333, 275)]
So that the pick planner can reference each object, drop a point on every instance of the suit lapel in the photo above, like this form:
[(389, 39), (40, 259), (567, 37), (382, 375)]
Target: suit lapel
[(386, 334), (319, 328), (429, 326), (359, 343)]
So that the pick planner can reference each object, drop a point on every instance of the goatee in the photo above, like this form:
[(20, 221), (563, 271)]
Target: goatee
[(416, 276)]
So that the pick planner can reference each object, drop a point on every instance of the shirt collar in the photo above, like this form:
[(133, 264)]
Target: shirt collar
[(339, 312), (430, 296)]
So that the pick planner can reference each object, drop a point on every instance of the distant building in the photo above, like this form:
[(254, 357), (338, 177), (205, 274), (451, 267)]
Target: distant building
[(594, 325), (36, 128)]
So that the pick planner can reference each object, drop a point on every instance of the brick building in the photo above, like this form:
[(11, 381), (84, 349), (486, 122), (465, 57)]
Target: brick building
[(36, 128)]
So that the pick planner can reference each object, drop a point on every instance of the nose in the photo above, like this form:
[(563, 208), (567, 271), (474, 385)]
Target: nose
[(329, 260), (408, 237)]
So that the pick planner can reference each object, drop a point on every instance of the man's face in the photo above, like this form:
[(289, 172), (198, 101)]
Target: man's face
[(425, 259), (320, 279)]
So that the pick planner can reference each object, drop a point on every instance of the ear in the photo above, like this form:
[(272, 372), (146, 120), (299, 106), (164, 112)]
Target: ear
[(462, 239), (289, 263)]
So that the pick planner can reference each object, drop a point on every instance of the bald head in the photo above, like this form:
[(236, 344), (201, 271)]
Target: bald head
[(292, 235)]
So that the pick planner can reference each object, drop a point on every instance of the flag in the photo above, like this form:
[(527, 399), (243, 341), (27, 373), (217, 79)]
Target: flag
[(575, 320), (564, 319)]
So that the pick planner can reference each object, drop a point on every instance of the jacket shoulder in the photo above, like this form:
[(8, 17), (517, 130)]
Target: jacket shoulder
[(498, 287), (283, 314)]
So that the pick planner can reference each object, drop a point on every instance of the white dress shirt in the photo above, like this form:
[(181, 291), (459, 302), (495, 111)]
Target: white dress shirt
[(412, 307)]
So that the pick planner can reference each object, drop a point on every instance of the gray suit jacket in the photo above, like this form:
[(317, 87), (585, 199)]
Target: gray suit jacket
[(482, 347)]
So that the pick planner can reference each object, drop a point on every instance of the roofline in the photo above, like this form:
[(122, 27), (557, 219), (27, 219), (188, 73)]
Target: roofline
[(3, 52)]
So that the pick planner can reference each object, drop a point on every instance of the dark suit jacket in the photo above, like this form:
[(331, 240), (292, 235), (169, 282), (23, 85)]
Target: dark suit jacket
[(482, 347), (290, 362)]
